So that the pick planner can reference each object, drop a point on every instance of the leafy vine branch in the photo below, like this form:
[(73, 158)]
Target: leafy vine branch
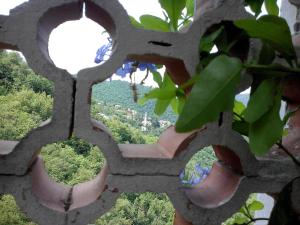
[(219, 72), (212, 89)]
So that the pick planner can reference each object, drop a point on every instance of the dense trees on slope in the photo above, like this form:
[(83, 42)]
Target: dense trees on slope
[(123, 96)]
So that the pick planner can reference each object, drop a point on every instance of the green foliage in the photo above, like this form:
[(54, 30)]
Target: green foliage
[(245, 216), (106, 93), (64, 165), (10, 212), (143, 209), (80, 146), (255, 5), (154, 23), (124, 133), (178, 14), (272, 7), (207, 42), (212, 94), (205, 158), (166, 94), (21, 111), (266, 131), (15, 75), (261, 101), (279, 36), (173, 9)]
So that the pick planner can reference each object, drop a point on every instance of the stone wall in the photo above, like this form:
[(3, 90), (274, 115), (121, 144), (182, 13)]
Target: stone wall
[(130, 168)]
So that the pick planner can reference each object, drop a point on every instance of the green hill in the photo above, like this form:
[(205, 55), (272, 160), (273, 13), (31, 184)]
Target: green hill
[(118, 92)]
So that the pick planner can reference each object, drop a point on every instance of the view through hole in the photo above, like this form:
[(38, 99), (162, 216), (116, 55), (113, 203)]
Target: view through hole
[(73, 44), (72, 161), (117, 103), (26, 99), (198, 167), (145, 208)]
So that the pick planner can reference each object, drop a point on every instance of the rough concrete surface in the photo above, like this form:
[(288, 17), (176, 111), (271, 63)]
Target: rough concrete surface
[(22, 173)]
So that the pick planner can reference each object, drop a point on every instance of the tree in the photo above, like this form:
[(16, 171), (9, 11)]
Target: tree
[(10, 212), (22, 111), (15, 75)]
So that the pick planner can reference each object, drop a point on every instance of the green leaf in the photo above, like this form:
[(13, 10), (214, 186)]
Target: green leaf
[(266, 55), (154, 23), (207, 41), (157, 77), (135, 23), (272, 7), (161, 93), (272, 71), (212, 94), (266, 131), (174, 105), (261, 101), (239, 107), (190, 7), (161, 106), (272, 30), (177, 104), (241, 127), (181, 102), (173, 8), (240, 218), (168, 83), (255, 5), (255, 206)]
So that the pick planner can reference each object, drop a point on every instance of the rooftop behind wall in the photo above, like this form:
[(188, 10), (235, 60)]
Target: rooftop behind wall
[(130, 168)]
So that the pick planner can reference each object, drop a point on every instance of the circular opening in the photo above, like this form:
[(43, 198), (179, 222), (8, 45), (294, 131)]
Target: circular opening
[(113, 102), (72, 161), (71, 176), (198, 167), (122, 103), (26, 99), (73, 44), (135, 113), (145, 208), (210, 188)]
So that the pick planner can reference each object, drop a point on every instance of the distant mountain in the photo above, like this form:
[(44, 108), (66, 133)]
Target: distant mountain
[(118, 92)]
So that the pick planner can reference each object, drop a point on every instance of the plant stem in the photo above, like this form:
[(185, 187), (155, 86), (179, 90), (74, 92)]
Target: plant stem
[(239, 116), (248, 212), (275, 67), (185, 20), (147, 74), (256, 219), (295, 160)]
